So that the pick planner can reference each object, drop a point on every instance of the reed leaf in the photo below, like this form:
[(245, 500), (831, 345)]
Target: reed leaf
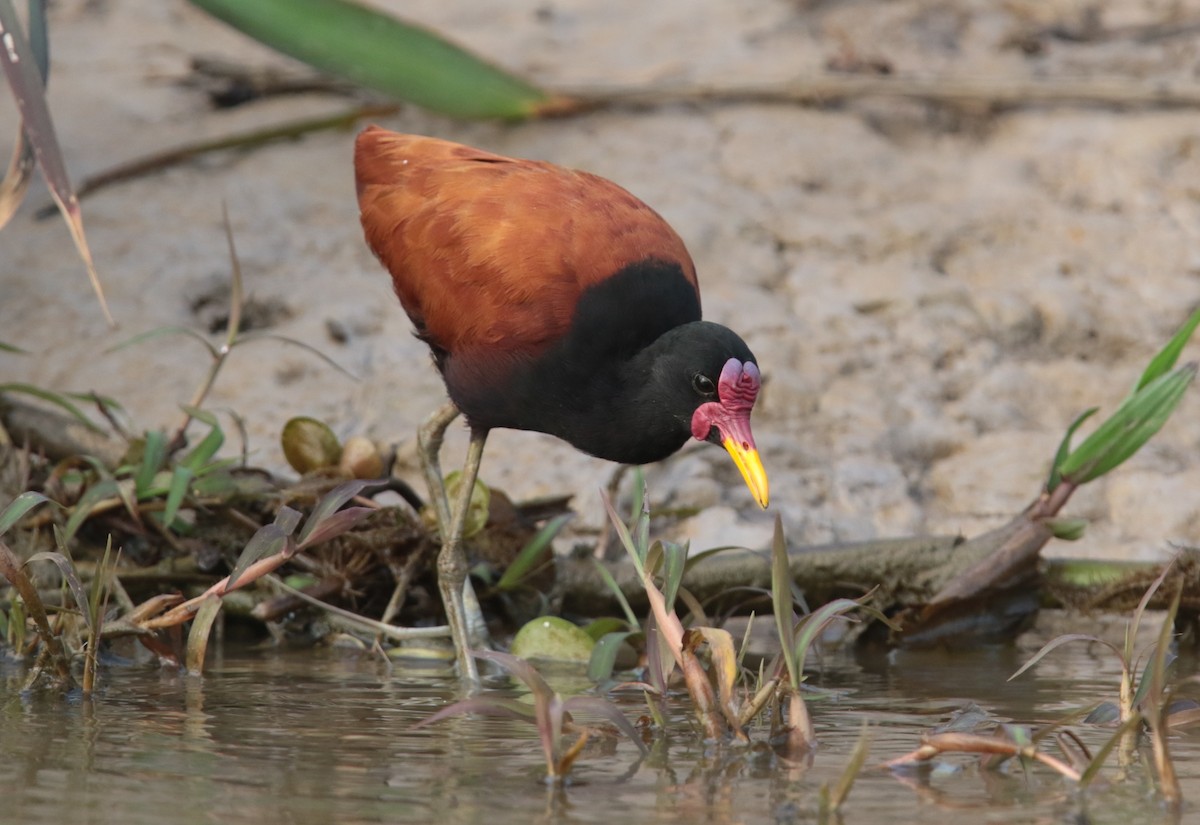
[(383, 53)]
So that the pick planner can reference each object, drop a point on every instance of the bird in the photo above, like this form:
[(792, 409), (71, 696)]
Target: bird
[(552, 300)]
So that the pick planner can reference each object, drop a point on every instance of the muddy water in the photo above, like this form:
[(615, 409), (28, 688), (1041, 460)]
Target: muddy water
[(269, 737)]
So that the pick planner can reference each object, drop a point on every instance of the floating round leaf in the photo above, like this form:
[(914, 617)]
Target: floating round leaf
[(554, 639)]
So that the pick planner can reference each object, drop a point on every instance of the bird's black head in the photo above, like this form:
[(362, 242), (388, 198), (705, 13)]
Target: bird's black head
[(707, 378)]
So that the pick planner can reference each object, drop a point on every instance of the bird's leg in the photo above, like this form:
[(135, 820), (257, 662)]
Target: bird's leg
[(452, 564), (457, 594), (429, 439)]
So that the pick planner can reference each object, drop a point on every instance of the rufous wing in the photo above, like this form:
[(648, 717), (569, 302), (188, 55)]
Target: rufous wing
[(491, 252)]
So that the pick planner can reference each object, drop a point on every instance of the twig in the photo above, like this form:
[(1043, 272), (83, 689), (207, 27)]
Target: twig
[(57, 435), (159, 161), (937, 744), (379, 628), (829, 88)]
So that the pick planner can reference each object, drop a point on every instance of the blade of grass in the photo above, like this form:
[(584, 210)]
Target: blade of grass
[(615, 589), (181, 479), (484, 706), (329, 504), (96, 607), (605, 710), (266, 541), (1064, 449), (781, 600), (234, 326), (635, 555), (250, 337), (1157, 700), (531, 553), (674, 557), (87, 502), (10, 569), (58, 399), (70, 576), (160, 332), (814, 623), (1101, 756), (21, 68), (604, 655), (20, 168), (203, 453), (198, 636), (1165, 360), (19, 506), (337, 524), (154, 456), (1057, 641), (837, 795), (385, 54)]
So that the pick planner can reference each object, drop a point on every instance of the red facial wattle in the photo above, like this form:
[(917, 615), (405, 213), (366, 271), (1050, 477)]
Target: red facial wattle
[(729, 415)]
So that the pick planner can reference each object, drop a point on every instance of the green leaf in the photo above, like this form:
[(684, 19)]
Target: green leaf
[(154, 456), (19, 506), (9, 347), (641, 510), (604, 655), (812, 625), (1101, 756), (87, 502), (1064, 449), (531, 553), (329, 504), (598, 628), (1165, 360), (335, 525), (202, 453), (159, 332), (267, 541), (58, 399), (614, 588), (382, 53), (1130, 427), (636, 554), (1067, 529), (181, 478), (675, 560)]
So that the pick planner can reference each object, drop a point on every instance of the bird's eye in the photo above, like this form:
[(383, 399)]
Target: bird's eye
[(703, 384)]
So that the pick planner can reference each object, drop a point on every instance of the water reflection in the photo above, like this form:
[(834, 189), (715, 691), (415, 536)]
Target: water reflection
[(319, 738)]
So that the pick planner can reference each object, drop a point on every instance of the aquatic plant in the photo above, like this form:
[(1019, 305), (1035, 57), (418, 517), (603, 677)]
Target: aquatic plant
[(550, 712)]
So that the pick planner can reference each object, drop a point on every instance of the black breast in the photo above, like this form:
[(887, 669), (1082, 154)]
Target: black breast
[(582, 388)]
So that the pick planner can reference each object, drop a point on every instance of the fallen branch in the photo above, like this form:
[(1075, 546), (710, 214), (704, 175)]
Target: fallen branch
[(828, 88)]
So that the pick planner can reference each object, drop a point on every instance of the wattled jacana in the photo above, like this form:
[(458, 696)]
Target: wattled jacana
[(552, 300)]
